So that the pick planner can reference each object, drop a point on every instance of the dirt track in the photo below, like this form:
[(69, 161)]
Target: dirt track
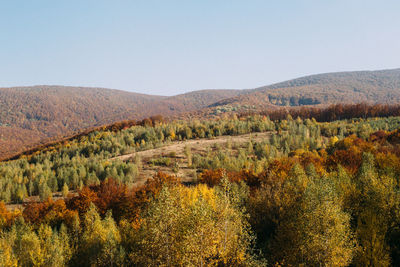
[(197, 146), (185, 173)]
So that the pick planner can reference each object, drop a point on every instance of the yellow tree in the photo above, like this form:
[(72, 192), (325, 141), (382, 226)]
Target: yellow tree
[(160, 232), (54, 246), (317, 231), (100, 241), (7, 255), (193, 227), (376, 200), (28, 248)]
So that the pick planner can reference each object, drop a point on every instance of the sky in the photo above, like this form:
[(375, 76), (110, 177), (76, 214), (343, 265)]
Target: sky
[(169, 47)]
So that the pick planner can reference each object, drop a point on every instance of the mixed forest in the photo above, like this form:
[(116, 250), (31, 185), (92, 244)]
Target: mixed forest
[(320, 187), (35, 115)]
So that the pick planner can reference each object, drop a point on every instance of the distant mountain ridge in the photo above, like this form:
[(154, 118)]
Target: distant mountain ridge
[(381, 86), (31, 115)]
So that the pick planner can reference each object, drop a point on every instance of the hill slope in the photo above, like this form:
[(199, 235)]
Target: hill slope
[(342, 87), (32, 115)]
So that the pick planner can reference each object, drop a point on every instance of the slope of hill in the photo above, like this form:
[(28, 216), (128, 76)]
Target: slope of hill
[(32, 115), (195, 177), (29, 115), (183, 103), (342, 87), (200, 99)]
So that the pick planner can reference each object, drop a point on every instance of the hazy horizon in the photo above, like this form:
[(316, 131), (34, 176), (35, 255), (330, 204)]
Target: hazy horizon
[(168, 48)]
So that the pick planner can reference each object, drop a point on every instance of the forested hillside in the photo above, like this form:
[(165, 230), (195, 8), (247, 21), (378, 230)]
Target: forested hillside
[(33, 115), (281, 192), (330, 88)]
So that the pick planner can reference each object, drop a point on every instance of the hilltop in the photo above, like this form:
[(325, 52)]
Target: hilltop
[(373, 87)]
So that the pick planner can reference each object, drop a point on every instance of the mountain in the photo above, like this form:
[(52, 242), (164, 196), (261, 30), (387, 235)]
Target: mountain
[(381, 86), (32, 115)]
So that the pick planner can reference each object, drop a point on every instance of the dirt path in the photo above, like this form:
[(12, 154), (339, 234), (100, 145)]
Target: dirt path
[(177, 148), (196, 144), (176, 152)]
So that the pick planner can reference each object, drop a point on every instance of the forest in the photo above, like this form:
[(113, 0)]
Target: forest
[(317, 191), (35, 115), (327, 88)]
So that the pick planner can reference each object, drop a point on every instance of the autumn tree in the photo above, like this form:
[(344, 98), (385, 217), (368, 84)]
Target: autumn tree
[(65, 190), (100, 241), (317, 231), (193, 226), (46, 247), (7, 256), (376, 198)]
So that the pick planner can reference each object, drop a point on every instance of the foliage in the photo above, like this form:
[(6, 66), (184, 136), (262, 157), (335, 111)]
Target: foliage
[(311, 194)]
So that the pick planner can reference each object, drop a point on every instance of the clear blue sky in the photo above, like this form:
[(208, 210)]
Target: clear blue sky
[(169, 47)]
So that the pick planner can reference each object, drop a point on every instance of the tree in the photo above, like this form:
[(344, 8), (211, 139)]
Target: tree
[(44, 191), (188, 154), (236, 238), (373, 214), (7, 255), (317, 231), (158, 245), (100, 241), (7, 217), (82, 202), (28, 248), (193, 227), (55, 250), (65, 190)]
